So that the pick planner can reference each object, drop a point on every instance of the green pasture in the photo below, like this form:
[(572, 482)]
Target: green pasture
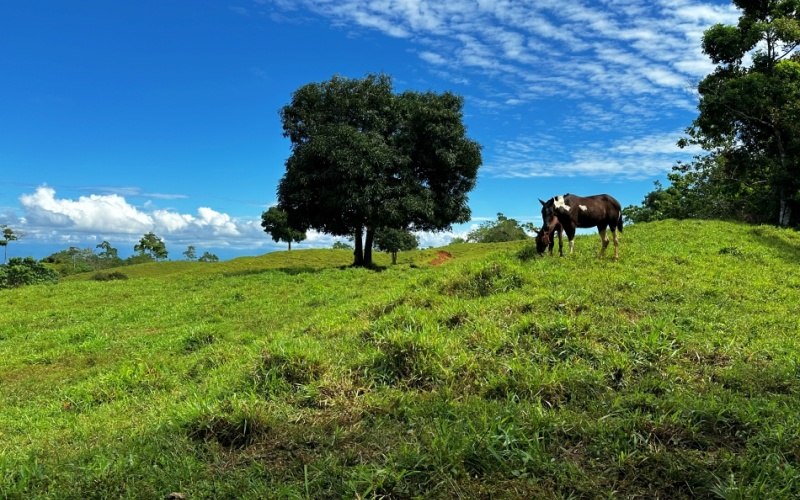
[(672, 373)]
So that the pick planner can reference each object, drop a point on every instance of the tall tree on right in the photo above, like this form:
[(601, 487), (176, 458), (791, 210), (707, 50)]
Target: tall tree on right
[(749, 108)]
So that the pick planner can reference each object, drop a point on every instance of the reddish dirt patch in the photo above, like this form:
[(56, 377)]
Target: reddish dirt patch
[(441, 258)]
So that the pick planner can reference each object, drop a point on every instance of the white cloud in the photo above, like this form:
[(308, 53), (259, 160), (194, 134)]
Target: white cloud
[(630, 158), (432, 57), (88, 213), (112, 214)]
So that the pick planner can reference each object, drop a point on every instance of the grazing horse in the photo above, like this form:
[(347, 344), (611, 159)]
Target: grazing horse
[(571, 212)]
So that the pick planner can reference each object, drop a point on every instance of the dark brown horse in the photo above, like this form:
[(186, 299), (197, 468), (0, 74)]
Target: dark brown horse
[(571, 212)]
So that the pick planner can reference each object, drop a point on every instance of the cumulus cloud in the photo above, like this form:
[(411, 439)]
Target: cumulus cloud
[(88, 213), (112, 214)]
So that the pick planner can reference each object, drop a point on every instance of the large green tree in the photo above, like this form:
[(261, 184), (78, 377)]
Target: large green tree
[(749, 108), (276, 223), (364, 158)]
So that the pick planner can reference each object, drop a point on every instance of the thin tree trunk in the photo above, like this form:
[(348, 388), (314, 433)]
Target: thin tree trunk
[(785, 215), (290, 245), (358, 253), (394, 258), (368, 247)]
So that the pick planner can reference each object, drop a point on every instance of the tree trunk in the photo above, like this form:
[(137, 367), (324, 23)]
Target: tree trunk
[(358, 253), (394, 258), (368, 247), (785, 215), (290, 245)]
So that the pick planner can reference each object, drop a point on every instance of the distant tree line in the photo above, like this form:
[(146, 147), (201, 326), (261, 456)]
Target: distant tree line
[(150, 248), (17, 271)]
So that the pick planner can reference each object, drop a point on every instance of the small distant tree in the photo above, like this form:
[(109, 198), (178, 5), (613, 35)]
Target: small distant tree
[(190, 253), (8, 236), (208, 257), (108, 252), (395, 240), (341, 245), (503, 229), (457, 240), (151, 245), (81, 260), (275, 222)]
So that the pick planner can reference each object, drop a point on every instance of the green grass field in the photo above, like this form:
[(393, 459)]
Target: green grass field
[(672, 373)]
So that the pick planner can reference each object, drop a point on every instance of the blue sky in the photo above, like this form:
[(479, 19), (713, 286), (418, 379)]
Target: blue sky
[(119, 118)]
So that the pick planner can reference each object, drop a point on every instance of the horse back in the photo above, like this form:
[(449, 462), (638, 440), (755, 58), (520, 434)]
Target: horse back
[(595, 210)]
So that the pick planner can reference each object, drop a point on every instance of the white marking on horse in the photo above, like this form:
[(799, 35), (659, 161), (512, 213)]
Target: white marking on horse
[(558, 202), (583, 207)]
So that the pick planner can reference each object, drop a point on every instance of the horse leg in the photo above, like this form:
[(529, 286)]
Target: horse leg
[(604, 240), (560, 244), (571, 237)]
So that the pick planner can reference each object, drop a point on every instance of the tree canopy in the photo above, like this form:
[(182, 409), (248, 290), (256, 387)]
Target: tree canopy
[(276, 223), (364, 158), (749, 113), (108, 252), (151, 245), (208, 257), (190, 253)]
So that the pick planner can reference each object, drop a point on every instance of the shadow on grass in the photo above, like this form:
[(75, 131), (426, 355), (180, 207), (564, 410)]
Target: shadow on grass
[(785, 241), (293, 271)]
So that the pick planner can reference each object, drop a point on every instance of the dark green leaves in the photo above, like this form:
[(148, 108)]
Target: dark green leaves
[(364, 157)]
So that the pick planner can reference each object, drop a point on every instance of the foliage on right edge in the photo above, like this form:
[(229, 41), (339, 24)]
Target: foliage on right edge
[(748, 124)]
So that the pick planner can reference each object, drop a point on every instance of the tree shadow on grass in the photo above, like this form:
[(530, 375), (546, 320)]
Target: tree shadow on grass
[(785, 241), (293, 271)]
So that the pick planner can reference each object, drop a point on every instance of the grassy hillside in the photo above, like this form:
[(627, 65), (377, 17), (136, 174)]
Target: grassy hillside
[(671, 373)]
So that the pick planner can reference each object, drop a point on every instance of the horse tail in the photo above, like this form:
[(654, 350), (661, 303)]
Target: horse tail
[(619, 222)]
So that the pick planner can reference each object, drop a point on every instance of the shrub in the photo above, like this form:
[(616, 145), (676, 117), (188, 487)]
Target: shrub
[(27, 271), (526, 253), (116, 275)]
